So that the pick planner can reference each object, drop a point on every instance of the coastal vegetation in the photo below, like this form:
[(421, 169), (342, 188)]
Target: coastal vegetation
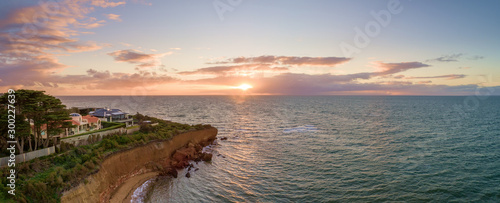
[(36, 114), (45, 179)]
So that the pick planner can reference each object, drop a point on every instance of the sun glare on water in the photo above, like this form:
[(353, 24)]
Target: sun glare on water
[(244, 87)]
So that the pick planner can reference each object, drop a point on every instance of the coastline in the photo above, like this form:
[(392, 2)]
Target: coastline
[(124, 169), (125, 191)]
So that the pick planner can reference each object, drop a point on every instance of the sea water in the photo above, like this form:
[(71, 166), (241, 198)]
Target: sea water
[(330, 148)]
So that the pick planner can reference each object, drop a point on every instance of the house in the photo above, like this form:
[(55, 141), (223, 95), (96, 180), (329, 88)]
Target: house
[(83, 124), (80, 124), (113, 115)]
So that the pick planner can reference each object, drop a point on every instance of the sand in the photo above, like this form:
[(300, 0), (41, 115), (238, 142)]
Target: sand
[(126, 190)]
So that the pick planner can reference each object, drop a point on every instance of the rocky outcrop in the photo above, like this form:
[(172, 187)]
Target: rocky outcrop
[(180, 159), (154, 156)]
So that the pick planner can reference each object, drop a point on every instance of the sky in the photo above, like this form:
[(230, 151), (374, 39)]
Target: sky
[(257, 47)]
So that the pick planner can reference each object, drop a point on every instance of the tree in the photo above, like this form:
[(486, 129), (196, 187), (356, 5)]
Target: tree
[(22, 127), (57, 121), (42, 110)]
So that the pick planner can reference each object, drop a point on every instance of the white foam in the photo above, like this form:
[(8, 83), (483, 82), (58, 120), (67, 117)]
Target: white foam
[(139, 193), (299, 129)]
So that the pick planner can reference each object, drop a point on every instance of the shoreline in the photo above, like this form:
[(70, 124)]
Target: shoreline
[(124, 171), (125, 191)]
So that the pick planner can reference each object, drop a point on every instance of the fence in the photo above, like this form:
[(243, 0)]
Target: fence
[(77, 141), (82, 140), (28, 156)]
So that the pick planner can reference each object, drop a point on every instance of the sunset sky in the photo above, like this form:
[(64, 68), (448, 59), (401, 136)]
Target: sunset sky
[(185, 47)]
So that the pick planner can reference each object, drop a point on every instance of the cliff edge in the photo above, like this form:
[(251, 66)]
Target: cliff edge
[(120, 166)]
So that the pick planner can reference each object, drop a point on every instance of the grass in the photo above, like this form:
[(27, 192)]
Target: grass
[(133, 127)]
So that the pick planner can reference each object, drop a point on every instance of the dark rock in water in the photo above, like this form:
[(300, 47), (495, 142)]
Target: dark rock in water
[(188, 175), (170, 172), (207, 157), (223, 138), (196, 169), (198, 147), (174, 172)]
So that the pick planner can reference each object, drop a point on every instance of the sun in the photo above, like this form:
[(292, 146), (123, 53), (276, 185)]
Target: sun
[(244, 87)]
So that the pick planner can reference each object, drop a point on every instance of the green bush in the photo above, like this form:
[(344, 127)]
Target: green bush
[(122, 140), (44, 179)]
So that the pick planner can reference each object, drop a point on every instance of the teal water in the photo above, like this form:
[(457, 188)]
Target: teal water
[(331, 148)]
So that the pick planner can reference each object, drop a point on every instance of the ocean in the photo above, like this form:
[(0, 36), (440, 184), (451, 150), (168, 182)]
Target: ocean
[(330, 148)]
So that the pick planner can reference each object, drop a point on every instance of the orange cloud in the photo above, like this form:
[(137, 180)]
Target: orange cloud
[(289, 60), (391, 68), (235, 70), (137, 57), (31, 37), (105, 3), (448, 77), (114, 17)]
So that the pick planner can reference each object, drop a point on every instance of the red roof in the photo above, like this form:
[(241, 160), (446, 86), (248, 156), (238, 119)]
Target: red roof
[(91, 119), (73, 122)]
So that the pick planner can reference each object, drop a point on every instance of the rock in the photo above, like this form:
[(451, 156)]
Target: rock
[(206, 157), (223, 138), (188, 175), (170, 172), (198, 147), (173, 172)]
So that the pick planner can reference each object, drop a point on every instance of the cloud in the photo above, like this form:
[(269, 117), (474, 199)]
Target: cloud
[(447, 58), (392, 68), (304, 84), (137, 57), (262, 65), (246, 70), (94, 79), (106, 80), (287, 83), (289, 60), (31, 38), (448, 77), (113, 17), (175, 48), (106, 3), (476, 57)]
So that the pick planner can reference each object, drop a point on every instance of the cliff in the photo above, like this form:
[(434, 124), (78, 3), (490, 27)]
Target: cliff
[(118, 167)]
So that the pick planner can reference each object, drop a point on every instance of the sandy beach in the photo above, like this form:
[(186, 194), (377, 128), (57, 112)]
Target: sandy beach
[(126, 190)]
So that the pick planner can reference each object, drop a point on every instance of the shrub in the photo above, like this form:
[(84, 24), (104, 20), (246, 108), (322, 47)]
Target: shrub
[(109, 144), (122, 140), (89, 164)]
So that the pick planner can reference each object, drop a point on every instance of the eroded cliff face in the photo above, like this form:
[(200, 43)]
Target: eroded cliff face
[(118, 167)]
